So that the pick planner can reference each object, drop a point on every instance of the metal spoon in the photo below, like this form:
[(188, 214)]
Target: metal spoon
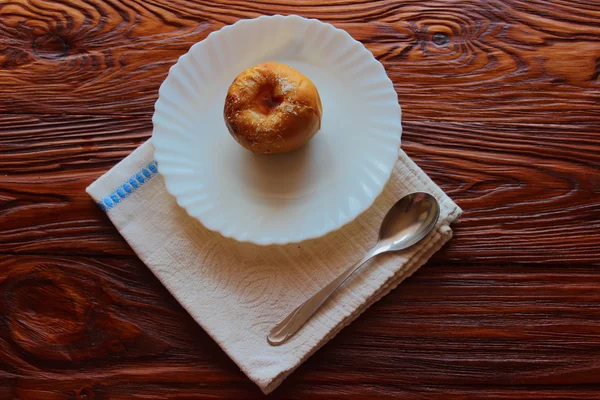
[(405, 224)]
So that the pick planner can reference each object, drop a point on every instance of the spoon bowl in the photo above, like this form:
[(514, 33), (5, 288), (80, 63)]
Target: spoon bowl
[(409, 221)]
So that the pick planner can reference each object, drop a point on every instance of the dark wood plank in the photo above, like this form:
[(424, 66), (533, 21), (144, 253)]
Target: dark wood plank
[(530, 61), (112, 331), (524, 187)]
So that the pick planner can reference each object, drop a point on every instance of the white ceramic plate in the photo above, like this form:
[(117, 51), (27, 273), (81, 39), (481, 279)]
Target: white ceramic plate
[(286, 198)]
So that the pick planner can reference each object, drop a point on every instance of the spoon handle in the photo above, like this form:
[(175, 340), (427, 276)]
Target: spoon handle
[(297, 318)]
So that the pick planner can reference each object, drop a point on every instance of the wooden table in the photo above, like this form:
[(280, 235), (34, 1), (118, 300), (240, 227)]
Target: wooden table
[(501, 107)]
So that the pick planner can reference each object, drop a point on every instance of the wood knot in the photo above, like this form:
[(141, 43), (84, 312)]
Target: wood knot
[(85, 393), (116, 346), (440, 39), (50, 46), (46, 313), (60, 314)]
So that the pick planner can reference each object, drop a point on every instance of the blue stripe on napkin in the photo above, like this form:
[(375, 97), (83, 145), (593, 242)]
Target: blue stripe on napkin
[(127, 188)]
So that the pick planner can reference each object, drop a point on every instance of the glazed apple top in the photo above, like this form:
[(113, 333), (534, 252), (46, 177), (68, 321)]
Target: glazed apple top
[(272, 108)]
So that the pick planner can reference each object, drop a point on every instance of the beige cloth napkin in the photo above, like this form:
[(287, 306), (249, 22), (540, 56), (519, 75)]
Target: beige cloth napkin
[(238, 291)]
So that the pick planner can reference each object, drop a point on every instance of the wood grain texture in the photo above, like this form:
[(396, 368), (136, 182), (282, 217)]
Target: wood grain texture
[(533, 331), (489, 60), (501, 107), (521, 192)]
